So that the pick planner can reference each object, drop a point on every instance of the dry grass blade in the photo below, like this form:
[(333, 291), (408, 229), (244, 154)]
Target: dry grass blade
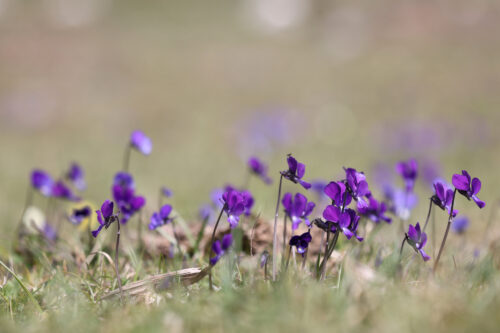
[(159, 282)]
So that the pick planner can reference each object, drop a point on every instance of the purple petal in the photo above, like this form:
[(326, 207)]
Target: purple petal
[(460, 182), (292, 164), (141, 142), (331, 213), (476, 186), (305, 184), (424, 255), (97, 231), (227, 241), (165, 211), (478, 202), (216, 247), (412, 233), (301, 170), (107, 208)]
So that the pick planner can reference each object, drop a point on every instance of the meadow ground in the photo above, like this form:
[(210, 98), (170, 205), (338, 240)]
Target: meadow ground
[(350, 84)]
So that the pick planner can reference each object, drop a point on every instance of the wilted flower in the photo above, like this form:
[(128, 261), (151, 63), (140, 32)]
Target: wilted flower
[(41, 181), (79, 214), (417, 239), (467, 187), (76, 175), (347, 221), (443, 197), (141, 142), (258, 168), (61, 191), (337, 192), (161, 218), (105, 216), (375, 211), (298, 209), (357, 186), (295, 172), (409, 171), (460, 224), (220, 248), (301, 242)]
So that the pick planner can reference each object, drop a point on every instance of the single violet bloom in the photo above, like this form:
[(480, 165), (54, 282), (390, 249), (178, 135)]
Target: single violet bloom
[(234, 206), (460, 224), (258, 168), (220, 248), (161, 218), (298, 209), (403, 203), (76, 175), (417, 239), (357, 186), (128, 203), (141, 142), (61, 191), (295, 172), (347, 221), (301, 242), (409, 171), (375, 211), (248, 202), (338, 193), (41, 181), (105, 216), (467, 187), (79, 214), (443, 197)]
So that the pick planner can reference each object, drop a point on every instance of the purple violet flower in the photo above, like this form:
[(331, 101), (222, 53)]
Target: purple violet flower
[(375, 211), (258, 168), (402, 202), (234, 206), (79, 214), (220, 248), (128, 203), (141, 142), (76, 175), (301, 242), (467, 187), (248, 201), (61, 191), (460, 224), (298, 209), (337, 192), (417, 239), (105, 216), (295, 172), (409, 171), (41, 181), (443, 197), (161, 218), (346, 221), (124, 179), (357, 186)]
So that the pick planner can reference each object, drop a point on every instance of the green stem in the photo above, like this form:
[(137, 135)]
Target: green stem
[(211, 247), (450, 218), (275, 235)]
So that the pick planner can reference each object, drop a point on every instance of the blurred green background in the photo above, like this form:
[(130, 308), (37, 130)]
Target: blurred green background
[(338, 83)]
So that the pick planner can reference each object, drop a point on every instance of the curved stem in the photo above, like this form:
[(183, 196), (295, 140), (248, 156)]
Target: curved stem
[(428, 215), (275, 236), (211, 247), (402, 245), (450, 218)]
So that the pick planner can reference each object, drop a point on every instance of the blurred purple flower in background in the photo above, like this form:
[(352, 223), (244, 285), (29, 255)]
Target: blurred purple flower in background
[(79, 214), (42, 181), (298, 209), (375, 211), (234, 206), (141, 142), (61, 191), (166, 192), (76, 176), (124, 179), (460, 224), (220, 248), (467, 187), (161, 218), (409, 171), (124, 195), (258, 168)]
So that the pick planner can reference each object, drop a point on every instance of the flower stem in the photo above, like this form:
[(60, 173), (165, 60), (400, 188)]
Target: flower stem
[(323, 264), (117, 248), (402, 245), (284, 234), (126, 158), (428, 215), (450, 218), (211, 246), (275, 236)]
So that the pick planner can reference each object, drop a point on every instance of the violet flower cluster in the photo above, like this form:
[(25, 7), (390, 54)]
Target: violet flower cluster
[(123, 191)]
